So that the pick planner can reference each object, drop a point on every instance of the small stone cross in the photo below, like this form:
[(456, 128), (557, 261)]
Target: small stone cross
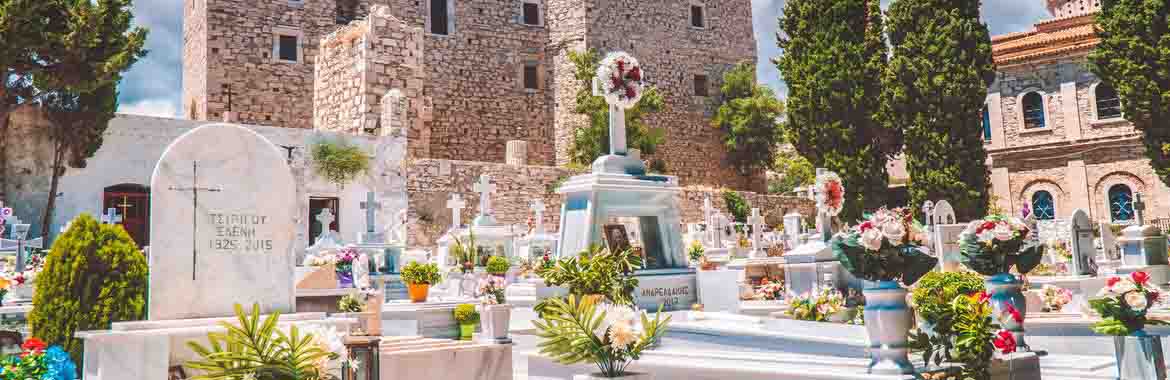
[(371, 206), (485, 189), (718, 224), (111, 216), (326, 219), (538, 207), (1139, 208), (757, 223), (456, 204)]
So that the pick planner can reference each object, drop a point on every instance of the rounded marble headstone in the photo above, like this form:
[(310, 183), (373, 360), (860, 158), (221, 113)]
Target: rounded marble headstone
[(231, 244)]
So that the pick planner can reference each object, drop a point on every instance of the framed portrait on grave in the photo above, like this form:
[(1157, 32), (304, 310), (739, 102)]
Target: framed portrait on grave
[(616, 237), (176, 373)]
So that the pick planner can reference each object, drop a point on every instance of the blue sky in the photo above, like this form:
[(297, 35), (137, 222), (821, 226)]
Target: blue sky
[(154, 85)]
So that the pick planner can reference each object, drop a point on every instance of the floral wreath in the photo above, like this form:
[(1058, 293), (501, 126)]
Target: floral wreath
[(620, 77), (830, 193)]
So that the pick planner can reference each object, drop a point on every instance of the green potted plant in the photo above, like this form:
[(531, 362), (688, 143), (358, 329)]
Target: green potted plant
[(595, 272), (259, 347), (579, 330), (418, 278), (937, 314), (993, 246), (695, 253), (884, 248), (498, 266), (1123, 305), (467, 318)]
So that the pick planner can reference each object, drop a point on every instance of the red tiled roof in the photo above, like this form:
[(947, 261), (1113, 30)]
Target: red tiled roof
[(1050, 37)]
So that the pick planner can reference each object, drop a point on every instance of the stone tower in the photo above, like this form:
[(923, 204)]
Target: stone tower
[(1071, 8), (491, 71)]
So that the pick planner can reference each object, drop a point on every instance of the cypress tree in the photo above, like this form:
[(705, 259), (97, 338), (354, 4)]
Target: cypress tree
[(832, 60), (934, 89), (1134, 58)]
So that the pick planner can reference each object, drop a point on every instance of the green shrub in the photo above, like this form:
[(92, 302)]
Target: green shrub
[(736, 205), (465, 314), (498, 265), (949, 320), (935, 291), (595, 271), (94, 276), (419, 273), (338, 161)]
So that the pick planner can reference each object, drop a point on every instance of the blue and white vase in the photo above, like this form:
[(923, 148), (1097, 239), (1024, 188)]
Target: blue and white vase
[(1004, 289), (1139, 356), (887, 320)]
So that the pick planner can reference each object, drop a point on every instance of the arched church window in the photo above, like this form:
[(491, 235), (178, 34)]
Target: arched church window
[(1120, 203), (1108, 103), (1043, 206), (1033, 110)]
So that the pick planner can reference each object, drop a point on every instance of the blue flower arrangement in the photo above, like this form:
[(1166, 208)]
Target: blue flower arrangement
[(37, 362)]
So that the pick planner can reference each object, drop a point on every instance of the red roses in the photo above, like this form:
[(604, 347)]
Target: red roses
[(1005, 342), (1140, 278)]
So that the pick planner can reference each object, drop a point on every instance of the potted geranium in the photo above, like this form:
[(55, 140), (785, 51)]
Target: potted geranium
[(418, 278), (885, 248), (579, 330), (1123, 304), (497, 314), (993, 246), (467, 318)]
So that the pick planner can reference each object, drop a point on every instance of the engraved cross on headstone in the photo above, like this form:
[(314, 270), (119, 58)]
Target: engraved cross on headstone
[(538, 207), (195, 189), (371, 206), (456, 204)]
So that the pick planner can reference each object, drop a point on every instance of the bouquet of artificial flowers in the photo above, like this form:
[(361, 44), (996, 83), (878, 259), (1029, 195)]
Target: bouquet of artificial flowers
[(1123, 304), (1055, 298), (38, 361), (996, 243), (491, 290), (886, 246), (816, 307)]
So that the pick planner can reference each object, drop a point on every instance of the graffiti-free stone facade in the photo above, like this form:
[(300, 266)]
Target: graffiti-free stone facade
[(493, 74), (1072, 148)]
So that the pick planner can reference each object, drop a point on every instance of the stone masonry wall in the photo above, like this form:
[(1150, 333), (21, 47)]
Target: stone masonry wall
[(430, 183), (239, 46), (361, 63)]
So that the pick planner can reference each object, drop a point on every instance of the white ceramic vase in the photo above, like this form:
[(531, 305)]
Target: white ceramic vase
[(494, 321), (887, 320), (627, 376), (1139, 356)]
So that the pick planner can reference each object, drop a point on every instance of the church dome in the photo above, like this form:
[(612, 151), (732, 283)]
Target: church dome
[(1070, 8)]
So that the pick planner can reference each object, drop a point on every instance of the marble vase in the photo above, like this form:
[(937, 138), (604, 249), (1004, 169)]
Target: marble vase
[(495, 320), (1139, 356), (627, 376), (1004, 289), (887, 321)]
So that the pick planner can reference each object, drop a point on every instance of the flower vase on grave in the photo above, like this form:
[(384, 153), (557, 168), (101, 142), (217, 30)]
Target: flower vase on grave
[(344, 278), (1139, 356), (1009, 304), (887, 320), (495, 321)]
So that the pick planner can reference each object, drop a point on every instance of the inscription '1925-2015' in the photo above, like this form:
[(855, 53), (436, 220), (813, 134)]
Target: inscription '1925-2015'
[(236, 232)]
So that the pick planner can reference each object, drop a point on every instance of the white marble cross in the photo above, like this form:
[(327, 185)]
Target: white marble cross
[(538, 208), (111, 216), (456, 204), (718, 224), (485, 189), (371, 206), (757, 223), (326, 219)]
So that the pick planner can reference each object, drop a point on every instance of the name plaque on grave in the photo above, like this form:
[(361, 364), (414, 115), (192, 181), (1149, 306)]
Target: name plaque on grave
[(238, 233), (674, 291)]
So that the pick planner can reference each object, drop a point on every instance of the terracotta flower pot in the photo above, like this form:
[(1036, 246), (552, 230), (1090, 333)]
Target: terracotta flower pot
[(418, 292)]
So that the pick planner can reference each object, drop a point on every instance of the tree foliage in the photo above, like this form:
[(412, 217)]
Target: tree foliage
[(592, 141), (1134, 58), (834, 54), (935, 87), (793, 171), (94, 276), (748, 117)]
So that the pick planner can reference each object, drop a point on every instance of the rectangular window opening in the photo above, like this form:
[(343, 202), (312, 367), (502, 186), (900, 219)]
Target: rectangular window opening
[(697, 16), (531, 77), (531, 14), (700, 85), (287, 48), (439, 19)]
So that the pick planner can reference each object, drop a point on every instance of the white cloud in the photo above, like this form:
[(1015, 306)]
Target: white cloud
[(150, 107)]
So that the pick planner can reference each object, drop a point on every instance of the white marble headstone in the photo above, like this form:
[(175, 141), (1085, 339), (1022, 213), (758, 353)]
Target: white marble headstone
[(235, 245)]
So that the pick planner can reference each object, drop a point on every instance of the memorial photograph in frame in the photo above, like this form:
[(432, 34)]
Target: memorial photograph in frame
[(616, 237)]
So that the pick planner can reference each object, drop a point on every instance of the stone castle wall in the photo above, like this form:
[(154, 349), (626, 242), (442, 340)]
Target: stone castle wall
[(359, 65), (430, 183)]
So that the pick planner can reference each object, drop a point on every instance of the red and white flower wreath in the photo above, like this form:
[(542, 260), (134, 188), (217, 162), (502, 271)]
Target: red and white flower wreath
[(620, 77)]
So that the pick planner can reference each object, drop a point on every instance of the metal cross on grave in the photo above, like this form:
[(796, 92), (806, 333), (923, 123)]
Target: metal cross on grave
[(111, 216), (456, 204), (485, 189), (194, 189), (757, 222), (371, 206), (538, 208)]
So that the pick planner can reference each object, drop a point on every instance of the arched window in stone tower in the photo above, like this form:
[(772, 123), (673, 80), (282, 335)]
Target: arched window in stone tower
[(1033, 108), (1120, 203), (1108, 103), (1043, 206)]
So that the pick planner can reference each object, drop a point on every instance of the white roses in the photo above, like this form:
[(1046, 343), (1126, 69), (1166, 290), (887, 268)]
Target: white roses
[(871, 239)]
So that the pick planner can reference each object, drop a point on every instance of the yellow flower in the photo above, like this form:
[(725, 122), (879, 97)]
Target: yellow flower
[(4, 283)]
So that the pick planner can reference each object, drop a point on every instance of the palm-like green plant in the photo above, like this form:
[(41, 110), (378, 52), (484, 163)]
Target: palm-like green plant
[(595, 271), (259, 349), (571, 327)]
